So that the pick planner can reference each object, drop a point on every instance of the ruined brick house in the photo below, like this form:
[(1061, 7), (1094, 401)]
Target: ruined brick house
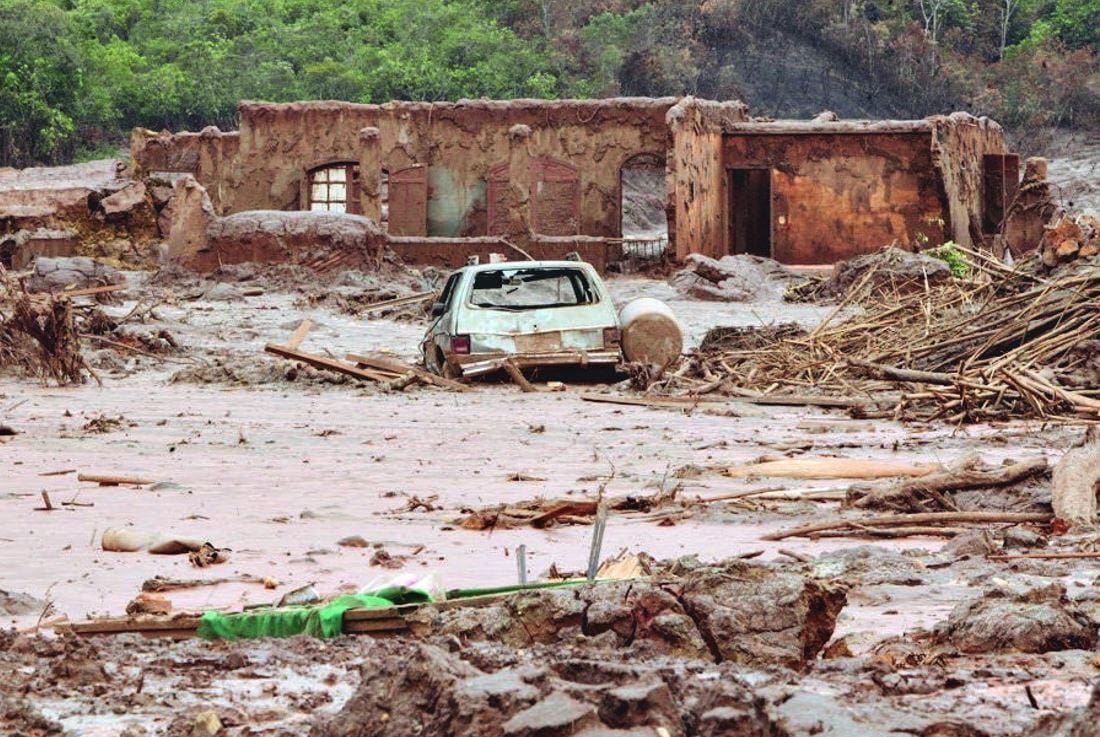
[(448, 180)]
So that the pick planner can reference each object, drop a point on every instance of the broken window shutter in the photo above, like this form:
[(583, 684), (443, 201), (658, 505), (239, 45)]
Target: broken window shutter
[(555, 198), (498, 199), (408, 201)]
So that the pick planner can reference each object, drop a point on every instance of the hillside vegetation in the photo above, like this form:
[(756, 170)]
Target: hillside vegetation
[(77, 75)]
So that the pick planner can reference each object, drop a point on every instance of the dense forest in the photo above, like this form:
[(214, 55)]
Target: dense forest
[(77, 75)]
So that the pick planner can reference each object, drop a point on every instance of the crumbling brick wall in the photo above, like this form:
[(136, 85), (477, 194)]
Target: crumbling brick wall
[(206, 155), (459, 146), (840, 193), (959, 143), (698, 195)]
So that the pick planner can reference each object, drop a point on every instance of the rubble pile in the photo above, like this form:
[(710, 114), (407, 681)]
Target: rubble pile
[(1004, 342), (1068, 237), (890, 270), (38, 336)]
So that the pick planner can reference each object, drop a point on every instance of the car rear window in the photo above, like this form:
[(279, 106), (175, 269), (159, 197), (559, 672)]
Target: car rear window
[(531, 289)]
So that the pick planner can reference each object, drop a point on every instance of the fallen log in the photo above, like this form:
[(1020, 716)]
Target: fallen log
[(900, 520), (908, 493), (831, 468), (892, 532), (906, 375)]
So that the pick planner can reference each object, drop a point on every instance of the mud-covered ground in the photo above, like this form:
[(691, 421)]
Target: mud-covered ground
[(280, 464)]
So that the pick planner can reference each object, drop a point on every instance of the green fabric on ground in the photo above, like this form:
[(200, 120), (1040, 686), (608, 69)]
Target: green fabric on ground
[(324, 621)]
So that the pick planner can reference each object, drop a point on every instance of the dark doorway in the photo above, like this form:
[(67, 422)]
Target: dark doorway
[(751, 211)]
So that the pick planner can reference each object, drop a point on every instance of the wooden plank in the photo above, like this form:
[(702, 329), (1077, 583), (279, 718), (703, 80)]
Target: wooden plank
[(681, 402), (399, 367), (368, 626), (517, 376), (95, 478), (299, 334), (329, 364), (666, 402), (87, 292), (400, 301), (119, 625)]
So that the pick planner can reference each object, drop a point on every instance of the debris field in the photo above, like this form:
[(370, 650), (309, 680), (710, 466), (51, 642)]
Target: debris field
[(829, 517)]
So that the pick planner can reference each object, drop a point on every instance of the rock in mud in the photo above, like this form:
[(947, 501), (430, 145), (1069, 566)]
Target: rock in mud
[(734, 611), (16, 604), (1037, 621), (76, 272), (120, 204)]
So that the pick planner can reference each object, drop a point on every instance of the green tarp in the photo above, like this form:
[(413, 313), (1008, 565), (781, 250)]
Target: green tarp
[(324, 620), (327, 620)]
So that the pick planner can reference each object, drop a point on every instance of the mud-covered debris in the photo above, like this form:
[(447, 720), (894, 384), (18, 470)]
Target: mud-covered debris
[(1034, 621), (423, 689), (149, 603), (71, 272), (732, 611), (889, 270), (16, 603), (1083, 722), (1075, 481), (749, 337), (740, 278)]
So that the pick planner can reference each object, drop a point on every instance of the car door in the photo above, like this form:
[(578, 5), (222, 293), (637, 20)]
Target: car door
[(438, 335)]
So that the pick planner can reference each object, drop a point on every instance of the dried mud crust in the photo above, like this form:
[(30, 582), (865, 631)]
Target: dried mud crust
[(354, 686), (733, 611)]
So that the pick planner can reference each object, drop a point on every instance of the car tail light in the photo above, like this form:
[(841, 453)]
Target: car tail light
[(612, 336), (461, 344)]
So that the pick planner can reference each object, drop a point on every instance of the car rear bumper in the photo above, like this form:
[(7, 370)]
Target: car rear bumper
[(481, 364)]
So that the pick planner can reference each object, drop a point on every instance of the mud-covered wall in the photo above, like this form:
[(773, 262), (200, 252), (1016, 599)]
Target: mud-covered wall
[(206, 155), (458, 144), (959, 143), (698, 218), (838, 195)]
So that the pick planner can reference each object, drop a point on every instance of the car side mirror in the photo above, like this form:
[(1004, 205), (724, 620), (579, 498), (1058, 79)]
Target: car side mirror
[(438, 308)]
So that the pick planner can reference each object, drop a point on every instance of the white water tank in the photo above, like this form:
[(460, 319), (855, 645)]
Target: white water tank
[(651, 333)]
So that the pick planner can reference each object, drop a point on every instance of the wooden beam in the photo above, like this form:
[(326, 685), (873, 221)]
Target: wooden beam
[(397, 366), (517, 376), (330, 364), (299, 334), (687, 402), (95, 478), (894, 520), (400, 301)]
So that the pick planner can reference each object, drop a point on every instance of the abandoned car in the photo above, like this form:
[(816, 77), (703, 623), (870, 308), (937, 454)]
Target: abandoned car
[(532, 313)]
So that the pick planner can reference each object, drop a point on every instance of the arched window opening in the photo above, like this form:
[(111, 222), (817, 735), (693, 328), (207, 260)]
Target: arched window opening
[(643, 194), (335, 188)]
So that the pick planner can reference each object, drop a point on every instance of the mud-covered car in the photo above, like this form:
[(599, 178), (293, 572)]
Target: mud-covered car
[(536, 313)]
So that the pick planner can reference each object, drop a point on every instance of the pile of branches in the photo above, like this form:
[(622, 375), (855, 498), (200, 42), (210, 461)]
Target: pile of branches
[(38, 335), (1001, 343)]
